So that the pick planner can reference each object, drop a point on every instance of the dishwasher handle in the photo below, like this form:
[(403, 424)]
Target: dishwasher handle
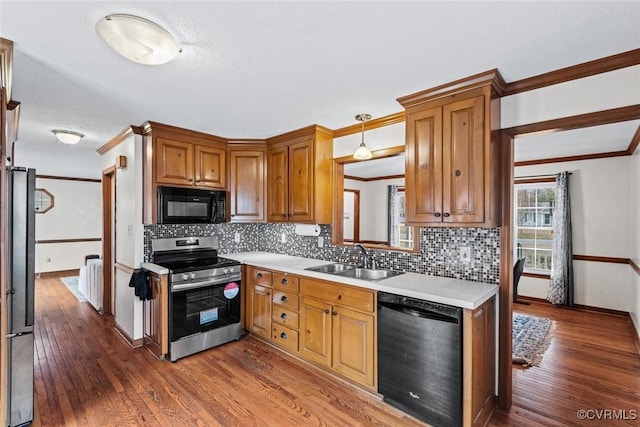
[(419, 312)]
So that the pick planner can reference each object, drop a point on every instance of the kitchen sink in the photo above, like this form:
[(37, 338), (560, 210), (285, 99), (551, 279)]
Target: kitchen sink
[(331, 268), (369, 274)]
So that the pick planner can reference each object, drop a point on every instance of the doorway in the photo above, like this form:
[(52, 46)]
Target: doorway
[(108, 218), (351, 227)]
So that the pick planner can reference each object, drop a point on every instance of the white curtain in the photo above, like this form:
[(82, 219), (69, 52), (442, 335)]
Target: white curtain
[(561, 287), (393, 226)]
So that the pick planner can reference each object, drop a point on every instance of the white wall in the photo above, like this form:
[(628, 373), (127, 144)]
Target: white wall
[(601, 219), (634, 232), (76, 214), (75, 161), (129, 243), (595, 93), (349, 219)]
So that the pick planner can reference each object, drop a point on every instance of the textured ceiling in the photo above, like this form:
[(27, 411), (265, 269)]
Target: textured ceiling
[(257, 69)]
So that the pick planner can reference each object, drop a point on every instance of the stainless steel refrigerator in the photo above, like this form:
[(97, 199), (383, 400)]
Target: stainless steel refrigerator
[(20, 294)]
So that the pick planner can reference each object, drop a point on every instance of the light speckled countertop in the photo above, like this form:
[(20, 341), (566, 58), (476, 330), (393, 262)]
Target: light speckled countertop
[(444, 290)]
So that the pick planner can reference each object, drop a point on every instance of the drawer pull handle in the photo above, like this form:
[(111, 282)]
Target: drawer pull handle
[(283, 298), (335, 313), (283, 316), (283, 336), (284, 281), (259, 275)]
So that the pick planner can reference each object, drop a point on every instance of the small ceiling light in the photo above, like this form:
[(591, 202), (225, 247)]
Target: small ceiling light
[(362, 152), (67, 136), (137, 39)]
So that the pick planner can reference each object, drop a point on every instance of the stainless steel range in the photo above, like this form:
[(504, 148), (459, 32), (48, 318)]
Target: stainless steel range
[(204, 297)]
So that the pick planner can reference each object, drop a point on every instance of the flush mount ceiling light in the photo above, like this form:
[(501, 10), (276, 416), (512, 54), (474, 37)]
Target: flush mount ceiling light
[(362, 152), (137, 39), (67, 136)]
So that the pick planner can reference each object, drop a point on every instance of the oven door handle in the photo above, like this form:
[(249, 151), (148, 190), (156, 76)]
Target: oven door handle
[(195, 285)]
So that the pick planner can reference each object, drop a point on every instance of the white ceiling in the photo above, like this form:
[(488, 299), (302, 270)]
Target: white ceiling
[(386, 166), (257, 69)]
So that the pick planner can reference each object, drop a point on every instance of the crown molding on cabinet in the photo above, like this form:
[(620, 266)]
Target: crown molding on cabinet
[(118, 139)]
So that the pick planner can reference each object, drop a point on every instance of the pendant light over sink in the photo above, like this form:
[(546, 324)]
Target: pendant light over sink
[(362, 152), (138, 39)]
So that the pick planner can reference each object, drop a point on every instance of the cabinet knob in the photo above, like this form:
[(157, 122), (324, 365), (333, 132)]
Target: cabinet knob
[(283, 336), (283, 316), (284, 281), (268, 293), (437, 214), (198, 180), (339, 297), (447, 214), (326, 312), (284, 215), (189, 180), (284, 298), (458, 173), (259, 275), (335, 313)]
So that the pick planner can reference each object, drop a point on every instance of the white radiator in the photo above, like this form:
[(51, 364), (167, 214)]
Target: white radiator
[(90, 282)]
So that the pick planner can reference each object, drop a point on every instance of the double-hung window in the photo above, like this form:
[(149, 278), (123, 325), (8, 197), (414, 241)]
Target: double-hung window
[(534, 205)]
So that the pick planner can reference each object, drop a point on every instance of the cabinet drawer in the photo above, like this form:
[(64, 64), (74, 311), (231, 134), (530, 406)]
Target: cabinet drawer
[(286, 300), (259, 276), (360, 299), (285, 317), (286, 282), (285, 337)]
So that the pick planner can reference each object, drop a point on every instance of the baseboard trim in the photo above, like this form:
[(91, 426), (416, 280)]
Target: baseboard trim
[(579, 307), (636, 335), (59, 273), (125, 336)]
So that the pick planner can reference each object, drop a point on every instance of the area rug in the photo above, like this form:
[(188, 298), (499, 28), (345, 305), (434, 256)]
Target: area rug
[(531, 337), (72, 284)]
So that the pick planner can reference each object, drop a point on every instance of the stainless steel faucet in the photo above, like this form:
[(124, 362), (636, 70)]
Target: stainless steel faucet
[(366, 255)]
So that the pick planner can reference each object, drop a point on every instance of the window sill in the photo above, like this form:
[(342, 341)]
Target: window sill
[(537, 275)]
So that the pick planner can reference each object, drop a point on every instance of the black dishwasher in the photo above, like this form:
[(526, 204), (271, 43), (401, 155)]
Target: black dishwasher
[(420, 358)]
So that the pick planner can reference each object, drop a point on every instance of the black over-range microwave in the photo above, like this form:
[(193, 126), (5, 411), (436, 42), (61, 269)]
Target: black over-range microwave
[(191, 206)]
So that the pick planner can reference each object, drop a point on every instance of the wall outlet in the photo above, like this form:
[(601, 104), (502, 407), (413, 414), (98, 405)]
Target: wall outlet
[(283, 238), (465, 254), (236, 237), (320, 241)]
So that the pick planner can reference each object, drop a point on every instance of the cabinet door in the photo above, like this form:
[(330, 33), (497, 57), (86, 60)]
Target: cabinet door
[(174, 162), (247, 186), (277, 184), (260, 317), (301, 182), (210, 167), (463, 161), (156, 317), (315, 331), (353, 345), (423, 181)]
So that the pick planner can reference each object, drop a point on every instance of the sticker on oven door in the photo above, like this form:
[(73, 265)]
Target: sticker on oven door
[(207, 316), (231, 290)]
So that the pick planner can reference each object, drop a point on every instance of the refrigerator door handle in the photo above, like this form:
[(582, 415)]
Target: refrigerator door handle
[(30, 281)]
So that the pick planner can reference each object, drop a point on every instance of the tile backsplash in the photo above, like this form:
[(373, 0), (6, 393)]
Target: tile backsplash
[(439, 247)]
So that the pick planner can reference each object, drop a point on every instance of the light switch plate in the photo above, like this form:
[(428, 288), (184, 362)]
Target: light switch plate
[(283, 238), (465, 254), (320, 241), (236, 237)]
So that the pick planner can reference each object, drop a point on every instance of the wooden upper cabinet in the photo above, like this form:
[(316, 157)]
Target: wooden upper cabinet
[(299, 176), (277, 184), (210, 167), (452, 156), (174, 162), (247, 184), (187, 158)]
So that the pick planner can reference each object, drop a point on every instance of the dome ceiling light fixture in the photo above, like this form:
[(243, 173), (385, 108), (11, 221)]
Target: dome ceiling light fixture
[(362, 152), (138, 39), (68, 137)]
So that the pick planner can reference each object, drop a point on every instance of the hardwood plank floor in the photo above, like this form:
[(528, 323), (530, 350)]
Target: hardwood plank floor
[(86, 375), (591, 365)]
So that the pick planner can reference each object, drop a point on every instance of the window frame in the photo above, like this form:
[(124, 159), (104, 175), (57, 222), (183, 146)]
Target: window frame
[(531, 183)]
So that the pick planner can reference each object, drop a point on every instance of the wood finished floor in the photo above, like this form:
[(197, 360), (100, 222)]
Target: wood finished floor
[(86, 375)]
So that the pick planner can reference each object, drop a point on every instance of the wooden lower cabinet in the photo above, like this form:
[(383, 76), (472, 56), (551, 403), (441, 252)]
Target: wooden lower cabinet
[(315, 323), (479, 364), (353, 345), (156, 316), (260, 310)]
